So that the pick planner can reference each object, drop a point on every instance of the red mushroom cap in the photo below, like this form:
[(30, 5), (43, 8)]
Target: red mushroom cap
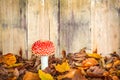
[(43, 48)]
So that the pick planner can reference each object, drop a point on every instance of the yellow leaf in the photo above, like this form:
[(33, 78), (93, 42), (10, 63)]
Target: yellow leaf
[(15, 65), (44, 76), (94, 55), (63, 67)]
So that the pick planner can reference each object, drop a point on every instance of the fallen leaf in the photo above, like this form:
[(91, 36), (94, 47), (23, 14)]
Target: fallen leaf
[(63, 67), (109, 65), (117, 62), (1, 59), (64, 54), (9, 59), (15, 65), (115, 78), (70, 74), (82, 70), (78, 76), (94, 55), (95, 71), (16, 73), (44, 76), (118, 72), (13, 78), (106, 73), (31, 76), (89, 62)]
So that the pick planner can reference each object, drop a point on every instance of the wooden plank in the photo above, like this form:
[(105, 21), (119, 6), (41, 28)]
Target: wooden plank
[(23, 32), (8, 21), (38, 27), (0, 38), (13, 35), (0, 33), (52, 15), (74, 25), (105, 27)]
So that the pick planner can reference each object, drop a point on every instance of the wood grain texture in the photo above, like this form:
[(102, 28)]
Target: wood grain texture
[(52, 15), (0, 38), (42, 22), (105, 26), (8, 21), (13, 37), (35, 20), (74, 25), (70, 24)]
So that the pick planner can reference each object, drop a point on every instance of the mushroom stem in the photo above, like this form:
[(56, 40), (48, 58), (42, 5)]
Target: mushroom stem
[(44, 62)]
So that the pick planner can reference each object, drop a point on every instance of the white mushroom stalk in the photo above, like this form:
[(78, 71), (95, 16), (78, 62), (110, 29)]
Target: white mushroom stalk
[(44, 62)]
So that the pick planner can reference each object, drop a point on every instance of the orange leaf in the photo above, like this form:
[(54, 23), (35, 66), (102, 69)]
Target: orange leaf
[(14, 78), (9, 59), (89, 62), (1, 59), (31, 76)]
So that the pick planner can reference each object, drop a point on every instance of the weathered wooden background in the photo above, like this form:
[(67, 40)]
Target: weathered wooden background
[(70, 24)]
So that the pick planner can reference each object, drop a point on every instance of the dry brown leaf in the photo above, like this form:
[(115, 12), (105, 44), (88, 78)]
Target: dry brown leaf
[(64, 54), (106, 73), (1, 59), (16, 73), (14, 78), (73, 74), (70, 74), (95, 71), (78, 76), (115, 78), (31, 76)]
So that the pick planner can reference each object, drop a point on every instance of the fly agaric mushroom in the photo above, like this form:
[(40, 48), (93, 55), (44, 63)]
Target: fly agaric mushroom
[(43, 49)]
